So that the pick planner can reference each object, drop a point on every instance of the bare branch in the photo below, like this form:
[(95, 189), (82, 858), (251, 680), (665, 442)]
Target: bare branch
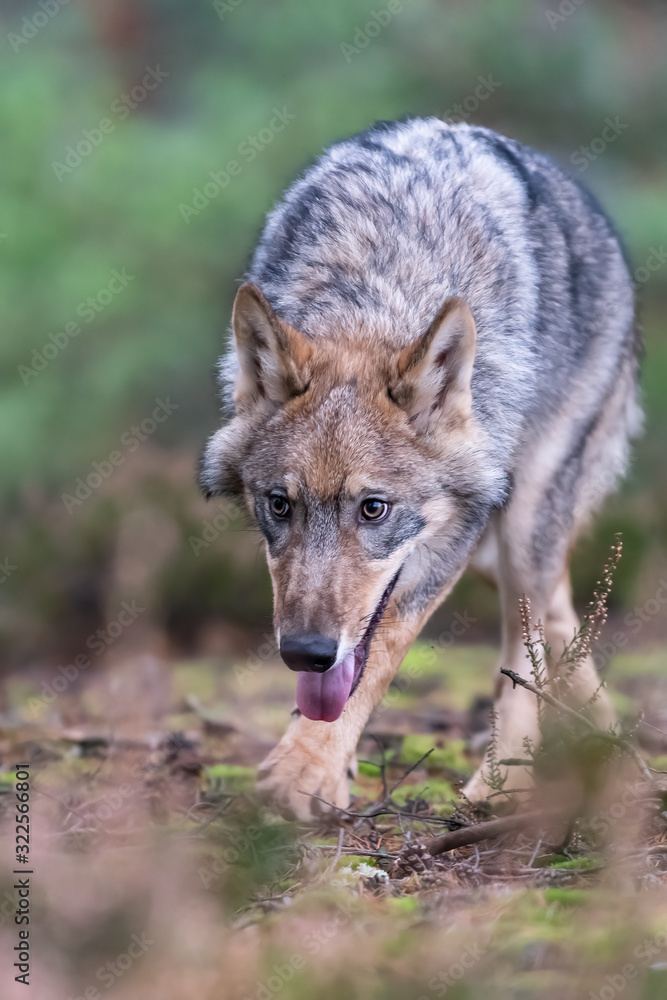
[(492, 828)]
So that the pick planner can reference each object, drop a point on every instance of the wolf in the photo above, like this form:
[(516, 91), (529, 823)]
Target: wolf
[(433, 366)]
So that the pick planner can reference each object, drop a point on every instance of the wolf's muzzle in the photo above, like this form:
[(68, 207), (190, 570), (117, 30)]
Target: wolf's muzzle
[(309, 651)]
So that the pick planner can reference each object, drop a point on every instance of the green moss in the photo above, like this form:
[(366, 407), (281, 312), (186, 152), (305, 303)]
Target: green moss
[(439, 794), (368, 769), (567, 897), (447, 754), (234, 776), (404, 905), (464, 672), (575, 863)]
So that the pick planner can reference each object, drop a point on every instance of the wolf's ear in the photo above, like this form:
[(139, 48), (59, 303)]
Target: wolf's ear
[(433, 373), (220, 464), (272, 356)]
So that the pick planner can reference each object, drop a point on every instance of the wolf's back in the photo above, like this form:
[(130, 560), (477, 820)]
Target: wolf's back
[(389, 223)]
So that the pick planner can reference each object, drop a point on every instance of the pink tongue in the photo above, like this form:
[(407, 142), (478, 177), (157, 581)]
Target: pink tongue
[(322, 697)]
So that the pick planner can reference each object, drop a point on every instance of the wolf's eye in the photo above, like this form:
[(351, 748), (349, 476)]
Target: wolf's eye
[(374, 509), (279, 505)]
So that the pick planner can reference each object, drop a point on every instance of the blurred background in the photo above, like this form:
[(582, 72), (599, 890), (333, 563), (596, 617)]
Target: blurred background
[(143, 143)]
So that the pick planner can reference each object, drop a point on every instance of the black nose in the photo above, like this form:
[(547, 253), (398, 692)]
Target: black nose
[(308, 651)]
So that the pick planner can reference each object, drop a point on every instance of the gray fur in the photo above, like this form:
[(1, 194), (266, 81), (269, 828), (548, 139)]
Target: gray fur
[(440, 318), (391, 222)]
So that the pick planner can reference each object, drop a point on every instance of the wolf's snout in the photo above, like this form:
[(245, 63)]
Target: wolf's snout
[(309, 651)]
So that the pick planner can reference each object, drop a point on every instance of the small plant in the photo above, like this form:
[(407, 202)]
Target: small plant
[(495, 776), (568, 737)]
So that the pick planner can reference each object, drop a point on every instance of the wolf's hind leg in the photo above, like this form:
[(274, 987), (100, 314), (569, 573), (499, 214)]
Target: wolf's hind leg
[(515, 709), (528, 566), (581, 686)]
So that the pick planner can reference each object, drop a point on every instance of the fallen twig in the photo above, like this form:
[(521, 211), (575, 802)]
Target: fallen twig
[(492, 828), (381, 809)]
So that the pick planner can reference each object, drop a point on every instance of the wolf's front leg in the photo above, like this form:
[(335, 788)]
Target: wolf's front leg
[(319, 758), (312, 758)]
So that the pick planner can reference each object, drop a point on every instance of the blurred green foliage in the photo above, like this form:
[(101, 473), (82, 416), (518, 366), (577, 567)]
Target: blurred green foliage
[(64, 231)]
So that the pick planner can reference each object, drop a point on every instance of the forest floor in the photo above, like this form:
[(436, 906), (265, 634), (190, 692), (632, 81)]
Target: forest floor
[(156, 873)]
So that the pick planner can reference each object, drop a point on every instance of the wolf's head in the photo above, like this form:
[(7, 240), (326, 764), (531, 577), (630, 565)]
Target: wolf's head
[(350, 455)]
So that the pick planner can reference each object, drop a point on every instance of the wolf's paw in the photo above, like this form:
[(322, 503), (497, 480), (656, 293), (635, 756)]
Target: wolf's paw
[(477, 789), (301, 784), (518, 784)]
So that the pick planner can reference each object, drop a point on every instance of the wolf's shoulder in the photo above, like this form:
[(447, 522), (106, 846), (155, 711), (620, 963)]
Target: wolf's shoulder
[(395, 175), (389, 222), (431, 144)]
